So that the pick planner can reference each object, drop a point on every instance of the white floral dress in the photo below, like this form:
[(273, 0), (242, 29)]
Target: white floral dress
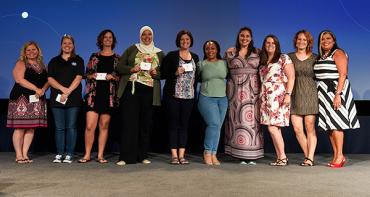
[(273, 110)]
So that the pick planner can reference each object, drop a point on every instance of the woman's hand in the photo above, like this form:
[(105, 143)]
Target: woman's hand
[(63, 97), (135, 69), (39, 92), (180, 70), (287, 99), (66, 91), (109, 77), (337, 102), (153, 72)]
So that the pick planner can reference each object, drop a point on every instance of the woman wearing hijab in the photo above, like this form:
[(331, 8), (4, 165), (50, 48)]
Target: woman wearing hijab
[(138, 90)]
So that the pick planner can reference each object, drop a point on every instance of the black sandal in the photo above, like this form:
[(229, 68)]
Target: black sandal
[(307, 162), (280, 162)]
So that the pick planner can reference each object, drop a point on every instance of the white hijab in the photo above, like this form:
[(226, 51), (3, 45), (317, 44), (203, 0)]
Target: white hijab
[(147, 48)]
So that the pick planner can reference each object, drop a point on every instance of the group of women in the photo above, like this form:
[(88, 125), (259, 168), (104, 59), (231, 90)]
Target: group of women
[(263, 87)]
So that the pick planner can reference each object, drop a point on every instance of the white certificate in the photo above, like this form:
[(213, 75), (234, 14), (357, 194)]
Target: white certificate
[(58, 99), (188, 67), (145, 66), (33, 99), (101, 76)]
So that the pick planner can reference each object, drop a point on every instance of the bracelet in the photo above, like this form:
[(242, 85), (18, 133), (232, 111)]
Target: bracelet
[(338, 93), (288, 93)]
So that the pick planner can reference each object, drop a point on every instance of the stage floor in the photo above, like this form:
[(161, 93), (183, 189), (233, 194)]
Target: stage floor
[(44, 178)]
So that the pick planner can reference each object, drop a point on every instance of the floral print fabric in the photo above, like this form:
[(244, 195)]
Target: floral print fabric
[(273, 110)]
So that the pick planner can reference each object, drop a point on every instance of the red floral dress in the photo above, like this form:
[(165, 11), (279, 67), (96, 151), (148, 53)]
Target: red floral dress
[(273, 79)]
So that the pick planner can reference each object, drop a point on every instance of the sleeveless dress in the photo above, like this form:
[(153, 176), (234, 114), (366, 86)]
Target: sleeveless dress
[(304, 100), (21, 112), (243, 134), (327, 75), (273, 110)]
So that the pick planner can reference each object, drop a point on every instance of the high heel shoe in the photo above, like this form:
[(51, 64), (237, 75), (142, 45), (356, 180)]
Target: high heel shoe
[(338, 165)]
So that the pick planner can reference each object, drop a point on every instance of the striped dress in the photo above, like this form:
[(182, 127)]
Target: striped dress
[(327, 75)]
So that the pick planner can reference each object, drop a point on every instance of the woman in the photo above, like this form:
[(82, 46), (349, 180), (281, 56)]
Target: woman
[(179, 69), (277, 77), (27, 103), (212, 102), (65, 73), (337, 110), (243, 134), (100, 95), (139, 89), (304, 110)]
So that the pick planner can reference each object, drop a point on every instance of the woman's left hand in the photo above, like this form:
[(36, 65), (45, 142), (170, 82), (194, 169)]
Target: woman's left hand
[(337, 102), (153, 72), (287, 99), (109, 77)]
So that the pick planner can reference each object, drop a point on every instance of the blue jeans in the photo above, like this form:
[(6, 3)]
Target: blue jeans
[(65, 128), (213, 111)]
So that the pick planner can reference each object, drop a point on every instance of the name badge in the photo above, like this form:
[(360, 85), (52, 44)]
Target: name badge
[(188, 67), (145, 66), (101, 76), (33, 99), (58, 99)]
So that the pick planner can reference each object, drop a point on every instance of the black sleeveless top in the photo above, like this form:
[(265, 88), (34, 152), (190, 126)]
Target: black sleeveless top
[(36, 75)]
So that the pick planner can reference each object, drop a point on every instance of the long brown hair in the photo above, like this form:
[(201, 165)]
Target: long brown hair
[(251, 47), (277, 53)]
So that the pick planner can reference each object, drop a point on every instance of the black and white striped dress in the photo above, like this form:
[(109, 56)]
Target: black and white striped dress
[(327, 75)]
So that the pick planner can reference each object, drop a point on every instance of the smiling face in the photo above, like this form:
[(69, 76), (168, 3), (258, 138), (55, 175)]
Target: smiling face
[(185, 41), (108, 39), (31, 52), (244, 38), (327, 42), (270, 45), (146, 37), (301, 42), (211, 51), (67, 46)]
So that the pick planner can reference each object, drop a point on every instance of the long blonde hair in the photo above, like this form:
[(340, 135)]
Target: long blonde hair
[(23, 57)]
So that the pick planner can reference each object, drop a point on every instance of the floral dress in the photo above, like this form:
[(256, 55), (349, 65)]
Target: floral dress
[(273, 110)]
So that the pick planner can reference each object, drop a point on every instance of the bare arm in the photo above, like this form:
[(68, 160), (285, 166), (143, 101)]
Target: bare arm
[(341, 62), (53, 83), (18, 74), (290, 73)]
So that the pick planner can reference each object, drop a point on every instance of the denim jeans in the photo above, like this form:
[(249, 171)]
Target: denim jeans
[(65, 119), (213, 111)]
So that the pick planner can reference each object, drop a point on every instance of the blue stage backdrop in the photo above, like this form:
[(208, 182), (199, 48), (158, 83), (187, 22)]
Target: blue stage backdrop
[(46, 21)]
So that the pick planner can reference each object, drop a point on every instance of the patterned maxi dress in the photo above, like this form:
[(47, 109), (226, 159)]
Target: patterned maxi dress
[(273, 110), (327, 75), (243, 135)]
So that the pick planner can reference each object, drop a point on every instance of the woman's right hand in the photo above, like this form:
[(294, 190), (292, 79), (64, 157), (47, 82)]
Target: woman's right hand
[(135, 69)]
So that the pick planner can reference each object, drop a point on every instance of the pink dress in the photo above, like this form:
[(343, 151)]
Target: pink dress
[(273, 110), (243, 135)]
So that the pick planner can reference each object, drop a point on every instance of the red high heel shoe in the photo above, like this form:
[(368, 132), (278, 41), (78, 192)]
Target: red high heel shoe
[(338, 165)]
